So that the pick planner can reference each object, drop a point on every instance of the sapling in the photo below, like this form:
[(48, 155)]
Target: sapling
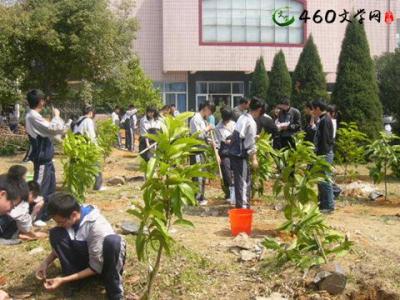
[(384, 154), (350, 145), (81, 164), (312, 240), (167, 190), (107, 136)]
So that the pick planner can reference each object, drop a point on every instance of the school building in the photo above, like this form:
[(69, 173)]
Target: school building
[(197, 50)]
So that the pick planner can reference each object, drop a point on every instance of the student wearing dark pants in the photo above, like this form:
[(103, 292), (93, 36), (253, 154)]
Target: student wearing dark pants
[(223, 132), (199, 126), (288, 123), (324, 142), (243, 151), (85, 244), (129, 121), (41, 133)]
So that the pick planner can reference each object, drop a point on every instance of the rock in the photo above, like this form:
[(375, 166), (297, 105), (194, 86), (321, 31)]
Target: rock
[(331, 278), (130, 227), (375, 196), (278, 207), (273, 296), (117, 180), (246, 255), (134, 178), (243, 241), (36, 251), (383, 295)]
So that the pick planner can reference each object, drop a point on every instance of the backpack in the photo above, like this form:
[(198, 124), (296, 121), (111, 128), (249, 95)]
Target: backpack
[(76, 124)]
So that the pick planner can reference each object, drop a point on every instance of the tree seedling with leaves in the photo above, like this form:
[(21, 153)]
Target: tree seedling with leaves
[(350, 146), (107, 136), (168, 189), (384, 154), (311, 240), (81, 164), (267, 157)]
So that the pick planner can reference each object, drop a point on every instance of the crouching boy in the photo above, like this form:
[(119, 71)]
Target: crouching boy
[(85, 244)]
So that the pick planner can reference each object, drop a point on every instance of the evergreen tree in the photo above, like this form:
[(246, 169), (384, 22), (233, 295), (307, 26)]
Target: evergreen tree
[(388, 70), (280, 83), (309, 81), (356, 90), (259, 80)]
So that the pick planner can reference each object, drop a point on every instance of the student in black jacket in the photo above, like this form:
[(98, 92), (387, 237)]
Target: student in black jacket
[(267, 124), (288, 123), (324, 141)]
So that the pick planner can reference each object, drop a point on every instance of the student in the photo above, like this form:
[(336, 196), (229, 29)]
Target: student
[(148, 124), (86, 245), (116, 121), (8, 199), (223, 132), (211, 119), (243, 151), (332, 111), (40, 133), (324, 146), (288, 123), (174, 111), (129, 121), (241, 108), (17, 224), (266, 123), (311, 122), (199, 126), (86, 127), (36, 203)]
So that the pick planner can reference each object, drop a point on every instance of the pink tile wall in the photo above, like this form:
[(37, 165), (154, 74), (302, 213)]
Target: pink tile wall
[(168, 41)]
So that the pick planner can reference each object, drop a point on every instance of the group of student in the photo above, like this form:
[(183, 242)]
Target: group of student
[(129, 122), (83, 240), (236, 135)]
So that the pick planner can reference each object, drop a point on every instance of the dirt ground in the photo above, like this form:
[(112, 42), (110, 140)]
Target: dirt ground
[(201, 266)]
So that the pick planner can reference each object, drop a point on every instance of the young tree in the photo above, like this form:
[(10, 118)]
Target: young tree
[(384, 154), (309, 81), (259, 81), (356, 90), (350, 145), (280, 85), (167, 190)]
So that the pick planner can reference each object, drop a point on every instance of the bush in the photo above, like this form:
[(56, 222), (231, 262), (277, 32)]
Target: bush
[(107, 136), (11, 144), (81, 164), (259, 81)]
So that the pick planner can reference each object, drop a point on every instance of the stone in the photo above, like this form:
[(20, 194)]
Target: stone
[(130, 227), (273, 296), (331, 278), (375, 196), (243, 241), (246, 255), (117, 180), (134, 178), (36, 251)]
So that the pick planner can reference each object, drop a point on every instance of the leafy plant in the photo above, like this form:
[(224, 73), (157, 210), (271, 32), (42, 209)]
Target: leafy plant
[(167, 190), (384, 154), (11, 144), (350, 145), (81, 164), (311, 240), (107, 136), (267, 156)]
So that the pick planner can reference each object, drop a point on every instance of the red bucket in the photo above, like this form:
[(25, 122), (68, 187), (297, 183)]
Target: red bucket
[(241, 220)]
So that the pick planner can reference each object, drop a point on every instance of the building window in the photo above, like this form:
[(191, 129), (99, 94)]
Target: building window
[(173, 93), (219, 93), (398, 33), (249, 22)]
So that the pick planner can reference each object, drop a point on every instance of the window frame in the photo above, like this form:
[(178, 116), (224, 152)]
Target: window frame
[(249, 44)]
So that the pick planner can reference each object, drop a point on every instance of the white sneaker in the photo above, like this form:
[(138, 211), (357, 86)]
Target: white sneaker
[(203, 203), (102, 189), (39, 223)]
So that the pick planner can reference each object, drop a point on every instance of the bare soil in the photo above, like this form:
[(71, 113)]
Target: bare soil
[(201, 266)]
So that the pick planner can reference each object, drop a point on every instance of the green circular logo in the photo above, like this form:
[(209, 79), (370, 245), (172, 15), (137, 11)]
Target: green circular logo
[(282, 20)]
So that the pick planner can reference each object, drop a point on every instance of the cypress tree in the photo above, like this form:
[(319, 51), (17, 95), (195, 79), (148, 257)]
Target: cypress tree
[(356, 90), (309, 81), (259, 80), (280, 84)]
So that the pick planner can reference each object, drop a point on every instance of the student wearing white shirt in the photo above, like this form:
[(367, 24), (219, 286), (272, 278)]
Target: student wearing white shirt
[(149, 124), (116, 121), (85, 126), (129, 121), (41, 134)]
